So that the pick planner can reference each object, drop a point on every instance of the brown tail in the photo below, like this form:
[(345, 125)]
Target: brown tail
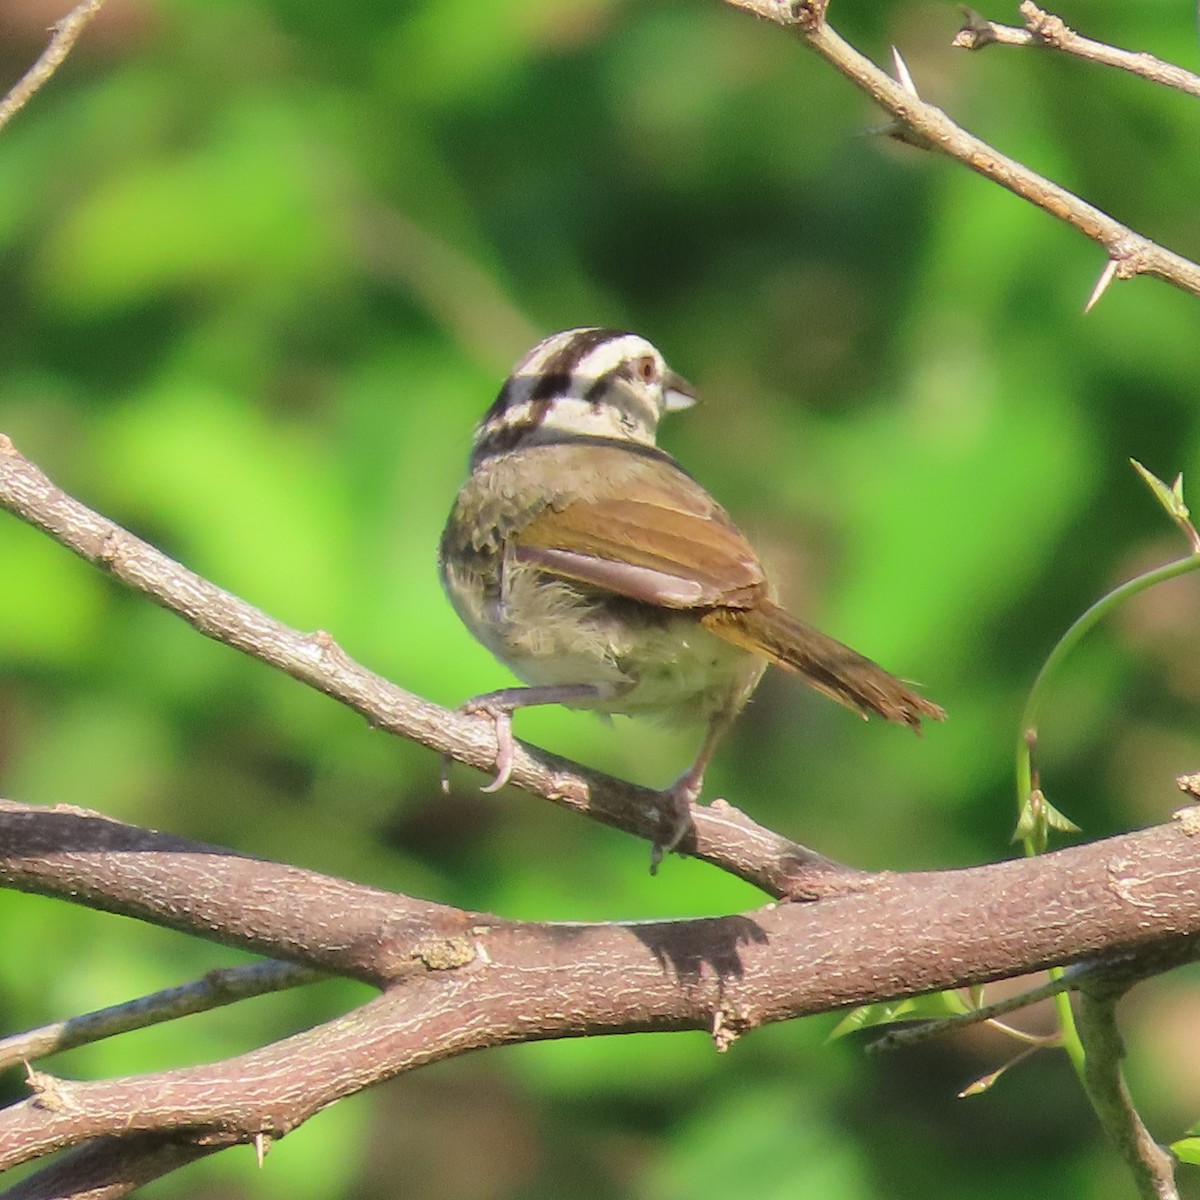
[(827, 665)]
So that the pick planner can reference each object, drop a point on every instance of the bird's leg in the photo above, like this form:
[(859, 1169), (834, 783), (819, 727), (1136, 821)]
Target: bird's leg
[(685, 791), (498, 707)]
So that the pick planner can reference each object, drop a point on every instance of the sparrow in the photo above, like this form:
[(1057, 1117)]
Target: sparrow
[(606, 578)]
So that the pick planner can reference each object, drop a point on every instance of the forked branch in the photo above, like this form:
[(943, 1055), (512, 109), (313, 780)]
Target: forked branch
[(457, 981), (1129, 253)]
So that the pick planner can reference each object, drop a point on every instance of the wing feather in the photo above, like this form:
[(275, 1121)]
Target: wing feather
[(659, 551)]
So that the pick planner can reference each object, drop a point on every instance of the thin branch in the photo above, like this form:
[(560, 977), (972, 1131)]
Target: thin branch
[(1152, 1167), (109, 1168), (491, 981), (66, 32), (1045, 30), (217, 989), (1132, 253), (1107, 973), (925, 1031), (722, 835)]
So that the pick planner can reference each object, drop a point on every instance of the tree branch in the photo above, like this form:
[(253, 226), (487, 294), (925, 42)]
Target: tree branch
[(722, 835), (267, 908), (66, 32), (456, 981), (1152, 1167), (109, 1168), (1129, 253), (479, 981), (215, 990), (1050, 32)]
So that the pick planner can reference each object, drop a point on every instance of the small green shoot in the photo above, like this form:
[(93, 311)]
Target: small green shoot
[(935, 1005), (1171, 498), (1037, 818)]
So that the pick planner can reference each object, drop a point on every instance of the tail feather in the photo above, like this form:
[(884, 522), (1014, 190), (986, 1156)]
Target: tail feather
[(839, 672)]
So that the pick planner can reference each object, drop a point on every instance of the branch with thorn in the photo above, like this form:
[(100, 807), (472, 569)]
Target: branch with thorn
[(473, 980), (924, 125), (894, 934)]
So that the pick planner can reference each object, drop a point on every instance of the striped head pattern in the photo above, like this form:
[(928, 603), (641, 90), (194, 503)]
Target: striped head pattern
[(582, 383)]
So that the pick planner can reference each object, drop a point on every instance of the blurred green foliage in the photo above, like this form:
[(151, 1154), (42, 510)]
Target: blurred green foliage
[(265, 261)]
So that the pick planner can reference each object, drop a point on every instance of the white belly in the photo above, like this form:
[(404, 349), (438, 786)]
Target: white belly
[(651, 662)]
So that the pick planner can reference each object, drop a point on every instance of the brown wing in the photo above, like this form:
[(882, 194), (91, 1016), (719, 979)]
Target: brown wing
[(657, 550), (676, 548)]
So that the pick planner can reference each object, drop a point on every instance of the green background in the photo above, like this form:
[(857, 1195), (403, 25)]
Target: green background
[(263, 265)]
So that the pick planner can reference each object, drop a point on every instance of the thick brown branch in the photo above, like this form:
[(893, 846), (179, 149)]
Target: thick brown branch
[(268, 908), (1132, 253), (722, 835), (504, 981), (459, 981)]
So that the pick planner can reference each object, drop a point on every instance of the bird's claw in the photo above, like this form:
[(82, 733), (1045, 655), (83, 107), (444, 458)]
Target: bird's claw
[(505, 744), (677, 809)]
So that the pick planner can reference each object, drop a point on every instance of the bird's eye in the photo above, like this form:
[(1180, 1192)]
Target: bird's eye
[(646, 368)]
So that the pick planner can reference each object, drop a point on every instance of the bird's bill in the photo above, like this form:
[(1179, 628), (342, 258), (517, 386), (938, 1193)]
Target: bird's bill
[(677, 392)]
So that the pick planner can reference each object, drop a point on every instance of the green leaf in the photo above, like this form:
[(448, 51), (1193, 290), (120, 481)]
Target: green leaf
[(1187, 1150), (1028, 821), (1058, 820), (933, 1006)]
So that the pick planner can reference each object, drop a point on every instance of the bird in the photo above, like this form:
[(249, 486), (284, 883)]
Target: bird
[(587, 560)]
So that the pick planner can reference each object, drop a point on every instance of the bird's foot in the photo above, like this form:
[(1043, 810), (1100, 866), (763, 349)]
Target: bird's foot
[(498, 708), (676, 815), (501, 719)]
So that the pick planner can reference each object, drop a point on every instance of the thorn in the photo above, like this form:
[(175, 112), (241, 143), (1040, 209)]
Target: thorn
[(900, 130), (723, 1031), (1106, 277), (985, 1083), (903, 76), (262, 1145)]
